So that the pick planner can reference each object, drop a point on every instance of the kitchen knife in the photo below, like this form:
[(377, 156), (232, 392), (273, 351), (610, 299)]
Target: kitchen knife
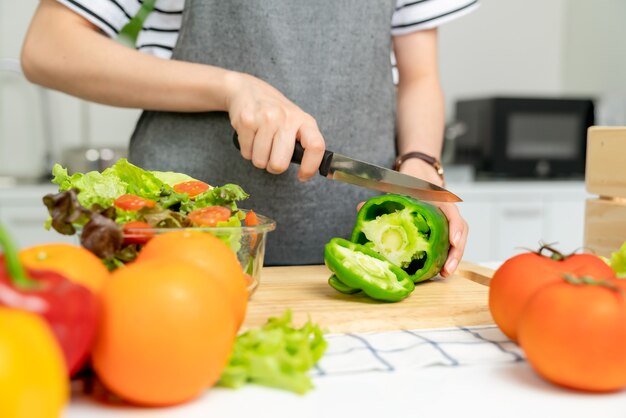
[(348, 170)]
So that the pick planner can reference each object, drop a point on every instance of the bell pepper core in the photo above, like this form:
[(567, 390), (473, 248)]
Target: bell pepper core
[(69, 308), (410, 233), (359, 267)]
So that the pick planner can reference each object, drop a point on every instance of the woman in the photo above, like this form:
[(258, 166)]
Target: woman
[(276, 71)]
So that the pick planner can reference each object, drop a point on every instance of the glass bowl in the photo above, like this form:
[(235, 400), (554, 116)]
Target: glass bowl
[(247, 242)]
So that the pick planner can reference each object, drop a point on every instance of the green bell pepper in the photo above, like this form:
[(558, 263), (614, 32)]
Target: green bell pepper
[(340, 286), (409, 233), (358, 267)]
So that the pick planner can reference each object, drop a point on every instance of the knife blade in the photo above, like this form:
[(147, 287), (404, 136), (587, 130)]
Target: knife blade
[(359, 173)]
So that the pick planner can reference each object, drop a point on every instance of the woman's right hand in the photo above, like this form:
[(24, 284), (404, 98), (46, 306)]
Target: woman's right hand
[(268, 124)]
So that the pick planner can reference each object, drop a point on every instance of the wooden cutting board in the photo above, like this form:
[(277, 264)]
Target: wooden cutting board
[(460, 300)]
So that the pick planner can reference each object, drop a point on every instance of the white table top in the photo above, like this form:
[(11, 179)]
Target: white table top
[(473, 372)]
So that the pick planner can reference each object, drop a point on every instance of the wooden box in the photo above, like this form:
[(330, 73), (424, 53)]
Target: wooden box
[(605, 176), (605, 226), (605, 172)]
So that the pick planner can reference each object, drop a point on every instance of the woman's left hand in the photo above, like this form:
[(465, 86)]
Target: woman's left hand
[(457, 225)]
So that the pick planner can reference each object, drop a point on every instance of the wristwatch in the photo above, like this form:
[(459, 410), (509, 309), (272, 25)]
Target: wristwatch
[(424, 157)]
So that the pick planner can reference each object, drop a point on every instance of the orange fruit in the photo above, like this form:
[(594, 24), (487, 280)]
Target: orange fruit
[(72, 261), (166, 332), (207, 252)]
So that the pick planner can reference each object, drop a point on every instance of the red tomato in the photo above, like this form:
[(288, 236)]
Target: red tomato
[(522, 275), (209, 216), (575, 334), (137, 232), (192, 188), (251, 219), (132, 202)]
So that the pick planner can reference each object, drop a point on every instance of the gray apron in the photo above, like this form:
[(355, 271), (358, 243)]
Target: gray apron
[(331, 58)]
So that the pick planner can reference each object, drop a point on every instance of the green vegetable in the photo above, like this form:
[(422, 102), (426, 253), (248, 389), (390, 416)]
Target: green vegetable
[(225, 195), (358, 267), (411, 234), (139, 182), (340, 286), (172, 178), (276, 355), (618, 262), (87, 199), (94, 187)]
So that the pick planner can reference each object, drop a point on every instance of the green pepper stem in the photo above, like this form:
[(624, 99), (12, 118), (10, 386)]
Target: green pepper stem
[(14, 267)]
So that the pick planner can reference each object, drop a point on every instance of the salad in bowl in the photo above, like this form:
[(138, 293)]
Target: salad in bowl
[(118, 210)]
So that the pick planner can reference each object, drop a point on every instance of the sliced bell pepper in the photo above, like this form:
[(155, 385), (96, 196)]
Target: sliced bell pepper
[(409, 233), (340, 286), (71, 310), (358, 267)]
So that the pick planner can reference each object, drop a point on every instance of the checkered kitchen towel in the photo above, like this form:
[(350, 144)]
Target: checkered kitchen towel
[(405, 350)]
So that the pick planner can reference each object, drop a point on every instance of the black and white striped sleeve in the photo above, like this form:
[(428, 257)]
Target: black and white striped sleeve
[(160, 29), (414, 15), (108, 15)]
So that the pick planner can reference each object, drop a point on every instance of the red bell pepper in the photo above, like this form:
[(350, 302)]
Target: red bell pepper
[(71, 310)]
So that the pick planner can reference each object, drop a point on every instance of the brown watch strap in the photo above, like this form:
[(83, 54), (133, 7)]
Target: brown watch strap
[(420, 155)]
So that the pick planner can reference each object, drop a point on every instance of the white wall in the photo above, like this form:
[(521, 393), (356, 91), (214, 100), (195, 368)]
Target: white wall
[(504, 47), (21, 133)]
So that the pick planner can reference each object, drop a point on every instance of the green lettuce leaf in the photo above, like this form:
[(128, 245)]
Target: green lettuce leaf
[(139, 182), (230, 238), (276, 355), (171, 178), (618, 261), (94, 187), (226, 195)]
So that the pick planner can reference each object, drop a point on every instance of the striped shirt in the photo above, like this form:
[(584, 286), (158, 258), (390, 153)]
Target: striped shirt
[(160, 29)]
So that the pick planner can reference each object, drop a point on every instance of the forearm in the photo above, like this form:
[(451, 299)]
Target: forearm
[(420, 116), (64, 52)]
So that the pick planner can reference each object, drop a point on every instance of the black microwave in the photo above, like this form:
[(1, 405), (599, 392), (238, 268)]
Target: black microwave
[(518, 137)]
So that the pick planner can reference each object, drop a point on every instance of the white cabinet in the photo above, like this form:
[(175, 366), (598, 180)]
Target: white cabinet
[(23, 213), (505, 218)]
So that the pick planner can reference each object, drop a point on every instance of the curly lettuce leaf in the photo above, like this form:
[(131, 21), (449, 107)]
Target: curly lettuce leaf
[(618, 262), (139, 182), (94, 187), (276, 355), (171, 178), (226, 195)]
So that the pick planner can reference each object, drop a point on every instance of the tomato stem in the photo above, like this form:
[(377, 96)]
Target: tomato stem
[(588, 280), (555, 254), (17, 273)]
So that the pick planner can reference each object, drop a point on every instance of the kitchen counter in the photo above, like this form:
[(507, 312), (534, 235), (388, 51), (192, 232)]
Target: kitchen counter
[(457, 370)]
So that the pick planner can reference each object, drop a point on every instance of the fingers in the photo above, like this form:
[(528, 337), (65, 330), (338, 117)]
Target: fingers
[(314, 147), (282, 150), (246, 130), (458, 231), (262, 146)]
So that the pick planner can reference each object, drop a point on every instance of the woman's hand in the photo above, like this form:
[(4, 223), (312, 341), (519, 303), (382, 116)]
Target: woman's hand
[(268, 124), (457, 225)]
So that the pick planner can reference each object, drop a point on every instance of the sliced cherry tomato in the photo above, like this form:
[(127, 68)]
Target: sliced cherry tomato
[(209, 216), (132, 202), (251, 219), (192, 188), (137, 232)]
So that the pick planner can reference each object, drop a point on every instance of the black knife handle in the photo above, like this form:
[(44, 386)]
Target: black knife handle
[(298, 153)]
